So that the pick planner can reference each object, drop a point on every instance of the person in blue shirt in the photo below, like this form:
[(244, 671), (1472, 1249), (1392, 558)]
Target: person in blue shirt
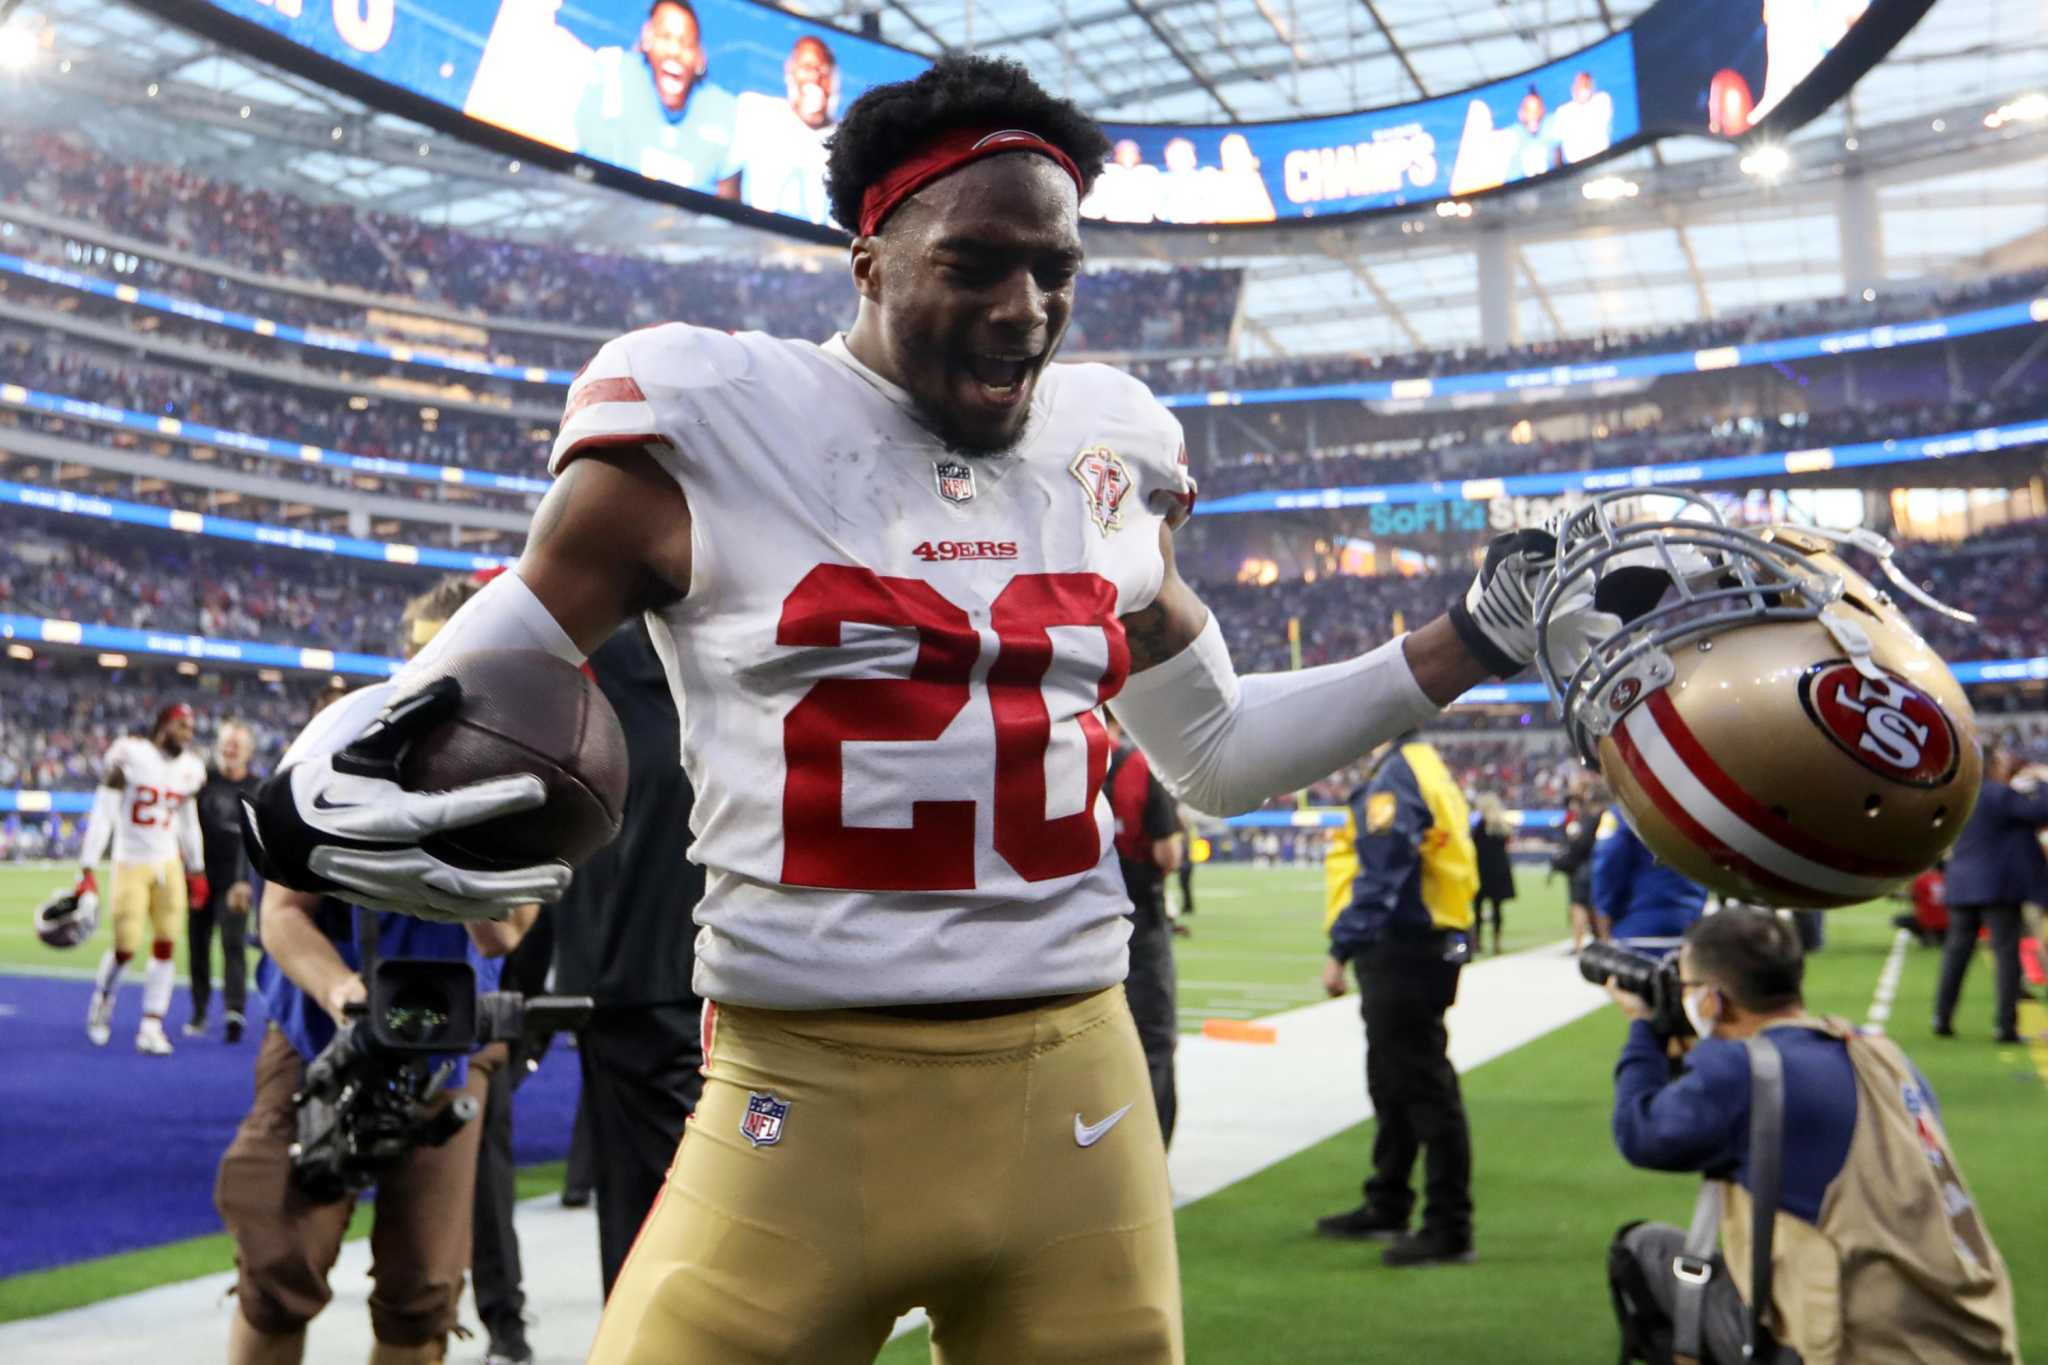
[(1872, 1206), (1634, 895), (657, 115), (1995, 866), (285, 1243)]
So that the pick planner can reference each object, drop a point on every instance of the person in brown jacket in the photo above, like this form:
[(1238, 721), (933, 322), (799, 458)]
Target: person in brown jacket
[(1879, 1254)]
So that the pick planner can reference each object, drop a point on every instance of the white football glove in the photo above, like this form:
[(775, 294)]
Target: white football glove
[(1496, 619), (342, 825)]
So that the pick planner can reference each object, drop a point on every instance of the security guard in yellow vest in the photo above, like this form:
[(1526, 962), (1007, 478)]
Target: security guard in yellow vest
[(1400, 875)]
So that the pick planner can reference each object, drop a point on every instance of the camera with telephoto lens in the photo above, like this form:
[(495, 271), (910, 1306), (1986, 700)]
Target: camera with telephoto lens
[(370, 1096), (1652, 980)]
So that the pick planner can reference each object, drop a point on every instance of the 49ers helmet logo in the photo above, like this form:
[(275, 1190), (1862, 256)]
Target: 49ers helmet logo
[(1888, 725)]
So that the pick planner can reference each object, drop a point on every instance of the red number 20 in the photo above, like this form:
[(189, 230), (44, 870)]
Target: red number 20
[(936, 853)]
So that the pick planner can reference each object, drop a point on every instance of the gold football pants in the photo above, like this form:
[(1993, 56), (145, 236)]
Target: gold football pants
[(1005, 1174), (147, 900)]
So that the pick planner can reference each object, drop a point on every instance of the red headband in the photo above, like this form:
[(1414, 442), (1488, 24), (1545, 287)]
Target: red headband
[(945, 154), (170, 713)]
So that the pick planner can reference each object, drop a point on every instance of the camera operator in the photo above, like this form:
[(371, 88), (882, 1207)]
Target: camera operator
[(286, 1240), (1877, 1253)]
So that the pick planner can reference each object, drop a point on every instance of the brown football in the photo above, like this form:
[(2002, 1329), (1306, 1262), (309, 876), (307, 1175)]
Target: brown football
[(524, 711)]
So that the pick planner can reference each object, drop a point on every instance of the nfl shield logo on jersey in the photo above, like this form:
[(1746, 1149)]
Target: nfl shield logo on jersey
[(765, 1114), (1106, 481), (955, 480)]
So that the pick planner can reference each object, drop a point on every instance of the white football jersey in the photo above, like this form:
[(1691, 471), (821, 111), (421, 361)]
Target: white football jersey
[(155, 790), (888, 661)]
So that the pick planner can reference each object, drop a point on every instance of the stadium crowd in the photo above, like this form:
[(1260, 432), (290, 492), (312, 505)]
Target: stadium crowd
[(56, 721), (1663, 439), (399, 427), (409, 260), (393, 429), (100, 576), (1206, 373)]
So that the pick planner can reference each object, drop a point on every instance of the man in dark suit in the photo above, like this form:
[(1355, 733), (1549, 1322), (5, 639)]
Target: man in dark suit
[(1995, 865)]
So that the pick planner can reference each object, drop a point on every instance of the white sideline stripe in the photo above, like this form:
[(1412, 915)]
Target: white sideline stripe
[(1887, 984), (1732, 829), (1243, 1107)]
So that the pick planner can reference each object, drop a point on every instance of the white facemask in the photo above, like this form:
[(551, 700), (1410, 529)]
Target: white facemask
[(1701, 1025)]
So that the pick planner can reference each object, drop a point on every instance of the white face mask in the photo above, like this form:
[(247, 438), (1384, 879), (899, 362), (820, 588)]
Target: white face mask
[(1701, 1025)]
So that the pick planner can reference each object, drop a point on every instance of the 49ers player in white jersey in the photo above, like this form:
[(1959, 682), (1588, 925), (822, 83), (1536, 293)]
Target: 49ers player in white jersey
[(144, 809), (891, 576)]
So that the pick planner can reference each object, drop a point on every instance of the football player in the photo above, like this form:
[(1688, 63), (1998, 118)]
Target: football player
[(144, 808), (659, 115), (891, 577)]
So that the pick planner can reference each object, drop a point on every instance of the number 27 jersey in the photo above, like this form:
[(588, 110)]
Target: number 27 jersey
[(888, 663)]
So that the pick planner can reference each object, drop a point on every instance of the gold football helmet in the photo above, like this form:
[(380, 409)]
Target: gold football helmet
[(1768, 720)]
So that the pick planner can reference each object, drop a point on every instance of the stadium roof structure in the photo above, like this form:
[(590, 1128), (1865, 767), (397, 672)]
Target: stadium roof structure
[(1697, 238)]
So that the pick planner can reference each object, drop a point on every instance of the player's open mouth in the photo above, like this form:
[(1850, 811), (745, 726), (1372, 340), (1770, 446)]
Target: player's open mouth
[(1002, 380), (672, 77)]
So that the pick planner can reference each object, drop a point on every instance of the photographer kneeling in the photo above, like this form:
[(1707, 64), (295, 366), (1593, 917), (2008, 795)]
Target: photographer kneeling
[(1875, 1252)]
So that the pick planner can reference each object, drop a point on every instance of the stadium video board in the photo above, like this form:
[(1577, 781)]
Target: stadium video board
[(1479, 139), (727, 105)]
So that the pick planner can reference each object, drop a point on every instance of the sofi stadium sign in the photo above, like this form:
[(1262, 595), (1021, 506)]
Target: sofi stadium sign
[(1836, 508)]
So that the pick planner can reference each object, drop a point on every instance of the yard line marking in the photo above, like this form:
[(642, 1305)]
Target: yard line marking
[(1887, 984)]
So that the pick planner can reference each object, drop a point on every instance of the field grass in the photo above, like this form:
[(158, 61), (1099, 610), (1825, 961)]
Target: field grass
[(1258, 1287), (1256, 943)]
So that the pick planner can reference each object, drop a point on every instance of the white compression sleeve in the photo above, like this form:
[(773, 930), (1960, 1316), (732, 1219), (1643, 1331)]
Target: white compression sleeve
[(505, 615), (1224, 744)]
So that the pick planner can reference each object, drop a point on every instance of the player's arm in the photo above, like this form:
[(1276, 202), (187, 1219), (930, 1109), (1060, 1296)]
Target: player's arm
[(1226, 743), (611, 538), (193, 852), (99, 826)]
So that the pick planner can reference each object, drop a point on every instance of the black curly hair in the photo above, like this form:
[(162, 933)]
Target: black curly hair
[(890, 122)]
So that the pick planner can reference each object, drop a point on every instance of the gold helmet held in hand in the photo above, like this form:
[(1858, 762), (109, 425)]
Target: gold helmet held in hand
[(1768, 720)]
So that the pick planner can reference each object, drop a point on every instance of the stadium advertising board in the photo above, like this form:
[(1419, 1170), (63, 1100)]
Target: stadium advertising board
[(728, 104)]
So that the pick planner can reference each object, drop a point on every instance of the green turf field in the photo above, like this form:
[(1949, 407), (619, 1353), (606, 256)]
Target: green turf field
[(1259, 1287)]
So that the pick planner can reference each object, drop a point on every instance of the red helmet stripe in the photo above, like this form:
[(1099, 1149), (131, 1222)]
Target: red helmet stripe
[(1753, 812), (1674, 811)]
